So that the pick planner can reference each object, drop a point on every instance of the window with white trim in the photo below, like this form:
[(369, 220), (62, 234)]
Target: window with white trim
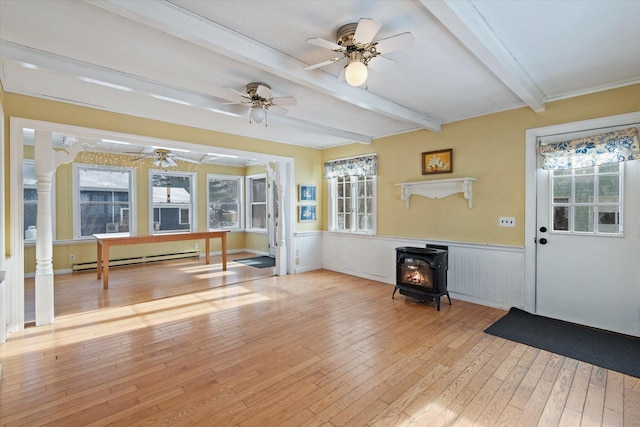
[(352, 194), (104, 196), (173, 202), (257, 202), (224, 201)]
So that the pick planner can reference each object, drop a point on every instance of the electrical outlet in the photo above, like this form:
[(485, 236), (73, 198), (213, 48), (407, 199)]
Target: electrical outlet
[(507, 221), (72, 257), (195, 246), (297, 261)]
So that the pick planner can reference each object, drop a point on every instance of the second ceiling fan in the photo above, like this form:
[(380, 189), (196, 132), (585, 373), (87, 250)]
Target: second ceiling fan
[(259, 98), (355, 42)]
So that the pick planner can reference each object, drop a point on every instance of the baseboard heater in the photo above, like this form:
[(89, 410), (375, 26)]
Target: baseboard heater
[(137, 260)]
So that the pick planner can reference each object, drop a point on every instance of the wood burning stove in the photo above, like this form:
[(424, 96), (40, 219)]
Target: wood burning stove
[(421, 273)]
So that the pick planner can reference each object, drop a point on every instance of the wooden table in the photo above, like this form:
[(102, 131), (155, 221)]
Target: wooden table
[(104, 241)]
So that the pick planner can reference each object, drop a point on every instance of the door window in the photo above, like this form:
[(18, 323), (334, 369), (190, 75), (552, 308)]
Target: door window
[(588, 200)]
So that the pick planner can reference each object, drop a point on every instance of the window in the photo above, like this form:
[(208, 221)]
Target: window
[(352, 194), (104, 196), (30, 201), (352, 203), (173, 201), (588, 200), (224, 199), (257, 202)]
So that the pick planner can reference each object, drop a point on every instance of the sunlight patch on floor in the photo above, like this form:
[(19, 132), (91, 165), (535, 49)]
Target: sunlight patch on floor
[(120, 320)]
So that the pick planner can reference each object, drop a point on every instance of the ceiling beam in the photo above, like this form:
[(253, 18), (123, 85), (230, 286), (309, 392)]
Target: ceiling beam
[(465, 22), (117, 80), (173, 20)]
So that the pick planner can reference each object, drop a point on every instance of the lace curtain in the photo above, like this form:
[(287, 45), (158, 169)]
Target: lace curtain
[(610, 147), (355, 166)]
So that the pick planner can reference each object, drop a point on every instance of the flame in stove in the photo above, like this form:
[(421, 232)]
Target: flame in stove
[(415, 277)]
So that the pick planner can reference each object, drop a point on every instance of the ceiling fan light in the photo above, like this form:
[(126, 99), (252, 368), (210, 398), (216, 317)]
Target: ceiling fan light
[(356, 73), (258, 114)]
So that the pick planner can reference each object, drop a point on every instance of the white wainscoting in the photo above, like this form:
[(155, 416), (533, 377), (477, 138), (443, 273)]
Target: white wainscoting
[(308, 251), (491, 275)]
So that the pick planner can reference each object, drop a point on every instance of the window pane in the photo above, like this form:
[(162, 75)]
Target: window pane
[(585, 189), (259, 190), (608, 220), (608, 189), (259, 216), (94, 218), (224, 203), (611, 167), (103, 179), (561, 189), (584, 171), (561, 218), (168, 219), (30, 194), (30, 214), (583, 219), (104, 197)]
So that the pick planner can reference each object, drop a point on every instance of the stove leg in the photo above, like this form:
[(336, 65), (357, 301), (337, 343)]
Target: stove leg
[(437, 300), (449, 298), (394, 293)]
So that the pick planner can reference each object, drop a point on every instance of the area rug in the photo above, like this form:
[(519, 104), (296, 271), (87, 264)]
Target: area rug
[(609, 350), (258, 261)]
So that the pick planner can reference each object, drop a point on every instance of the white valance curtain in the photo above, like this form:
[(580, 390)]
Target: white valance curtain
[(610, 147), (354, 166)]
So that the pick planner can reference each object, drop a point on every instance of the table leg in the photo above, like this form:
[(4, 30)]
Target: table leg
[(99, 260), (105, 266), (207, 247), (224, 251)]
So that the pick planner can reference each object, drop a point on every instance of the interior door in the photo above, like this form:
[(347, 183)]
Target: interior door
[(586, 273)]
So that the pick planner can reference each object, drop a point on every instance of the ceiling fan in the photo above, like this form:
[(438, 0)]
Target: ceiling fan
[(355, 42), (258, 97), (163, 158)]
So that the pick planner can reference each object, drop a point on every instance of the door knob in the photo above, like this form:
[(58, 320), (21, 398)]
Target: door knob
[(543, 241)]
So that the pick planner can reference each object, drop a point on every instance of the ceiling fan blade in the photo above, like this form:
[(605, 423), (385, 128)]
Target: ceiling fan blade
[(136, 159), (366, 30), (288, 101), (342, 76), (242, 94), (395, 43), (325, 44), (276, 110), (170, 161), (185, 159), (323, 63), (381, 64), (263, 92)]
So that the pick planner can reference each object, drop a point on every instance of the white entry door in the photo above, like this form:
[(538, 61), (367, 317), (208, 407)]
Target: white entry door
[(586, 271)]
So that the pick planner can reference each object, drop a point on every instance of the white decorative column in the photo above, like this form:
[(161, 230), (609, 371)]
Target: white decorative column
[(278, 177), (281, 249), (44, 168), (46, 161)]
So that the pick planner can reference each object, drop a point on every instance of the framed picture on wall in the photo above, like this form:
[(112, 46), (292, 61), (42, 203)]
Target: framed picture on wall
[(307, 193), (307, 213), (440, 161)]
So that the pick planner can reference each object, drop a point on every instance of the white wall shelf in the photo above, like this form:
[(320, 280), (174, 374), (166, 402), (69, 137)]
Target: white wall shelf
[(438, 189)]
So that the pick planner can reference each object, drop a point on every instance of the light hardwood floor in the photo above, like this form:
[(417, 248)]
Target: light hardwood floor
[(314, 349)]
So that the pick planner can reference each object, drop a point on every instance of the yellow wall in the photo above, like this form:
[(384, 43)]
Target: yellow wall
[(490, 148)]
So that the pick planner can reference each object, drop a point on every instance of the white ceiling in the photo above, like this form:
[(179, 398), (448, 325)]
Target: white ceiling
[(469, 58)]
